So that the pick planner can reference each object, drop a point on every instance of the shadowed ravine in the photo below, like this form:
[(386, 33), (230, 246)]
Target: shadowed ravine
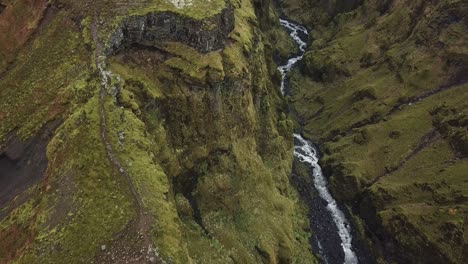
[(332, 232)]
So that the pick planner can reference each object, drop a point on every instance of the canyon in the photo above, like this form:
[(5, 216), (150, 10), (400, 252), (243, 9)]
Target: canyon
[(237, 131)]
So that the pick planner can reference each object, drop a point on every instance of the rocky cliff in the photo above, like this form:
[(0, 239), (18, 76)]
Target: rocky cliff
[(383, 89), (156, 28)]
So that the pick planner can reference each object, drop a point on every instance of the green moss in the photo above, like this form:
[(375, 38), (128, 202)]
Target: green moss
[(437, 186), (235, 60), (451, 122), (196, 9), (135, 154), (126, 98), (87, 203), (209, 60), (137, 82), (215, 151)]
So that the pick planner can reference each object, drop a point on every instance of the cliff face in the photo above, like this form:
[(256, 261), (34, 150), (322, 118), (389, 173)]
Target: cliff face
[(383, 88), (156, 28), (191, 115)]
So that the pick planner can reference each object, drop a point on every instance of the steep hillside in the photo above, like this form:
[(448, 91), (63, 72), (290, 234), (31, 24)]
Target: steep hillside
[(146, 131), (383, 89)]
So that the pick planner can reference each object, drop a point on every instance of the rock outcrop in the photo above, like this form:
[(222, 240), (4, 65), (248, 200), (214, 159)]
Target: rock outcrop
[(155, 28)]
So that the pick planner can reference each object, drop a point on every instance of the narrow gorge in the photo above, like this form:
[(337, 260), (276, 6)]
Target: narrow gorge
[(323, 229)]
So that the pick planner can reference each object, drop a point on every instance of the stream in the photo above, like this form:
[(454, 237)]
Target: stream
[(332, 234)]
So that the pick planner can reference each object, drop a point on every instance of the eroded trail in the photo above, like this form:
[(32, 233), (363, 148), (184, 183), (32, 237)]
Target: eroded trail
[(331, 250), (121, 249)]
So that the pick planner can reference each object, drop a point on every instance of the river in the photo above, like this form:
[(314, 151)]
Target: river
[(332, 234)]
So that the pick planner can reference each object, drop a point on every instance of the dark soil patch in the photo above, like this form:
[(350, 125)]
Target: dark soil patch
[(22, 164)]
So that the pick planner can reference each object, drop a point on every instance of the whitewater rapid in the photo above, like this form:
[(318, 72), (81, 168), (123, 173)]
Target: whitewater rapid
[(305, 152), (295, 31)]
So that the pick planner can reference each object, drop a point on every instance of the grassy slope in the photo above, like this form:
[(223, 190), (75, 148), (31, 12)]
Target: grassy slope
[(36, 80), (358, 68), (17, 23), (81, 198), (183, 132)]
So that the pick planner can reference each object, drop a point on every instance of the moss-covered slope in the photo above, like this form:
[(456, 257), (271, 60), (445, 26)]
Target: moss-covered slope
[(383, 88), (200, 132)]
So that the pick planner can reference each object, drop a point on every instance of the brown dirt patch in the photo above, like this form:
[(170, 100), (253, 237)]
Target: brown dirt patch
[(13, 239), (130, 246), (17, 23)]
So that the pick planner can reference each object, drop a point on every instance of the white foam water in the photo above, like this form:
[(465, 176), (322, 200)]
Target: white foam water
[(295, 31), (306, 153)]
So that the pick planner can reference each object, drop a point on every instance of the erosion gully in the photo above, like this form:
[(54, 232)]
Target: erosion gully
[(333, 238)]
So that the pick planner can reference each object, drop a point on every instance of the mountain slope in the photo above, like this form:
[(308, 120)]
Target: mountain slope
[(383, 88), (151, 131)]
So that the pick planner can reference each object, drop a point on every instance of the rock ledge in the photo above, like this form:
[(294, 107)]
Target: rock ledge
[(155, 28)]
